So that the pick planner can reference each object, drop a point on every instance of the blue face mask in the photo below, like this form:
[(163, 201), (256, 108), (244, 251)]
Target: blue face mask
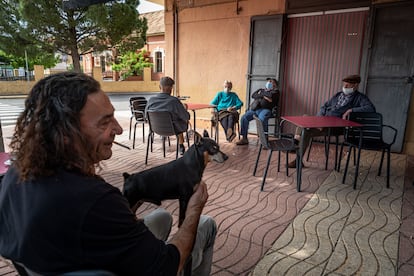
[(269, 85)]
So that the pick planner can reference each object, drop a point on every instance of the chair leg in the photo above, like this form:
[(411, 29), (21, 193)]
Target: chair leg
[(133, 142), (357, 167), (267, 167), (130, 127), (388, 166), (188, 139), (346, 165), (163, 145), (338, 167), (381, 162), (257, 160), (336, 151), (143, 133), (287, 163), (148, 145), (278, 161)]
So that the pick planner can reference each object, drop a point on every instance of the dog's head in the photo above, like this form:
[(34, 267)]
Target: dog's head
[(209, 147)]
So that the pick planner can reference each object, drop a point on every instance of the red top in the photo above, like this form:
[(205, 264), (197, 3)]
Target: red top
[(4, 156), (196, 106), (319, 121)]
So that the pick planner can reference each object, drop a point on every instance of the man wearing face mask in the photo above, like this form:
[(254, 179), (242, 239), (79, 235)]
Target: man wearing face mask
[(340, 105), (227, 103), (265, 99)]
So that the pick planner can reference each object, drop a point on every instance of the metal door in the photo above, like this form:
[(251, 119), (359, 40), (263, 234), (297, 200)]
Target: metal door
[(264, 52), (320, 50), (391, 66), (265, 40)]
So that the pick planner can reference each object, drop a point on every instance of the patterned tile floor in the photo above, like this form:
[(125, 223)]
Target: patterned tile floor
[(328, 228)]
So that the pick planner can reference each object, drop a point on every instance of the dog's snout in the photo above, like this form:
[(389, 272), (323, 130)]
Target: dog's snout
[(225, 156)]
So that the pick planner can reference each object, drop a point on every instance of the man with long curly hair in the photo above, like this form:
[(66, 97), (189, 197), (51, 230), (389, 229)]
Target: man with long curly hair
[(57, 215)]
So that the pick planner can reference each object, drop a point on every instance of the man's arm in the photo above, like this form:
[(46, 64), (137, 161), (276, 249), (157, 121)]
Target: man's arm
[(185, 237)]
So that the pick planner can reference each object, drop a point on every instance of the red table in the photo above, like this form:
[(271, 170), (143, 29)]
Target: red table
[(307, 122), (4, 156), (198, 106)]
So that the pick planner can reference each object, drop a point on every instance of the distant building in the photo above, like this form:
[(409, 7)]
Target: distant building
[(155, 46)]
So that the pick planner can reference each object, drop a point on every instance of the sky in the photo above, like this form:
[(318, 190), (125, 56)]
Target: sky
[(145, 6)]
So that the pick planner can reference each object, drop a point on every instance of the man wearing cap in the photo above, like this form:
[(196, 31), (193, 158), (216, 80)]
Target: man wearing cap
[(165, 102), (265, 99), (340, 105)]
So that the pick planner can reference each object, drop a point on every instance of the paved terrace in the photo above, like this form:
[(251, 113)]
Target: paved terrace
[(328, 228)]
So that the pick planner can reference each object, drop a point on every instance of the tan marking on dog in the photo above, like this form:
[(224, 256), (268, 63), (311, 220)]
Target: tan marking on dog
[(206, 158)]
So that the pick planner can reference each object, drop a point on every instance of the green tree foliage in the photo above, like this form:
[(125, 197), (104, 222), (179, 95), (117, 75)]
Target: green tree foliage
[(132, 63), (44, 26)]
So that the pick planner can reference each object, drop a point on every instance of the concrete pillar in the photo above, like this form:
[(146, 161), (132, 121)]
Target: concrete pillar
[(39, 72)]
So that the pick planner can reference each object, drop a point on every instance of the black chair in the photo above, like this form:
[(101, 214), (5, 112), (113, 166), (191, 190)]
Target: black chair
[(368, 137), (282, 142), (215, 125), (137, 106), (160, 122)]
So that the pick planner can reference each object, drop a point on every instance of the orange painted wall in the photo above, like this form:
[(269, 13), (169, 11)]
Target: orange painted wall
[(213, 45)]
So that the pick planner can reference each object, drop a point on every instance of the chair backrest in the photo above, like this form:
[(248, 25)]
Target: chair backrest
[(372, 126), (138, 108), (160, 122), (260, 132)]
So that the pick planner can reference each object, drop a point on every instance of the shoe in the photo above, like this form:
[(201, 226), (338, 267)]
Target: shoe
[(292, 164), (182, 149), (242, 142)]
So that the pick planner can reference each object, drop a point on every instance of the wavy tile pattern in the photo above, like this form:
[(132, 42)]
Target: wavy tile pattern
[(328, 228)]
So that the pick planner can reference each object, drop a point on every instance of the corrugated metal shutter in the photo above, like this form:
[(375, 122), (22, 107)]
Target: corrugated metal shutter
[(321, 50)]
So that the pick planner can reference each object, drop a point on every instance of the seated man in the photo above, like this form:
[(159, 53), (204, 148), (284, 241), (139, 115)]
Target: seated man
[(340, 105), (58, 215), (165, 102), (265, 99), (227, 103)]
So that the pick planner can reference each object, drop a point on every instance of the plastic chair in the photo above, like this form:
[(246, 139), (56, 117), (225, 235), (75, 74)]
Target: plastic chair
[(160, 122), (215, 125), (283, 142), (137, 106), (369, 137)]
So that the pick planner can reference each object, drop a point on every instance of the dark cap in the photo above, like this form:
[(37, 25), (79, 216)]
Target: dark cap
[(352, 79), (273, 79), (166, 81)]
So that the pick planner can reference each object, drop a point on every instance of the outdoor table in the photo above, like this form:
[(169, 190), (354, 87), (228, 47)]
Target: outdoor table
[(308, 122), (197, 106)]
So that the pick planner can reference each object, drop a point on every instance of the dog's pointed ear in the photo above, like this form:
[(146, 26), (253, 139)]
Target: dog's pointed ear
[(197, 138), (205, 134), (126, 175)]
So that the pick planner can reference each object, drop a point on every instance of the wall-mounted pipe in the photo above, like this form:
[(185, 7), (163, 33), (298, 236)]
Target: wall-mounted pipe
[(175, 59)]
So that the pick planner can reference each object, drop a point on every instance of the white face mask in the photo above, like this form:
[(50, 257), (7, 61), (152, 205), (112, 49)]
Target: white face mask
[(226, 89), (347, 91)]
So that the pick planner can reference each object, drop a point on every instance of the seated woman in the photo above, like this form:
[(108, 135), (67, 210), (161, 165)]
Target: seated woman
[(227, 103)]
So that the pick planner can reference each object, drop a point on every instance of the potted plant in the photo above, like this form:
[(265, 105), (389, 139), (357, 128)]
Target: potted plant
[(132, 64)]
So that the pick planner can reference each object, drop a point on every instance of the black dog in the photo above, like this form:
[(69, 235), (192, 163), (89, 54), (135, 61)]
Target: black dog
[(173, 180)]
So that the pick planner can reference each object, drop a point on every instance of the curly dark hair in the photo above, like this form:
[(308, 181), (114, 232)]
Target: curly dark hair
[(47, 136)]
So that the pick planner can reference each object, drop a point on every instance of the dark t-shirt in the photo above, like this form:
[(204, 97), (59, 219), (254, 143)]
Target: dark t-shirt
[(70, 221)]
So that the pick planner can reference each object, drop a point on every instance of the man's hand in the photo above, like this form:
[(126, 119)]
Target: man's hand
[(346, 114), (185, 236)]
